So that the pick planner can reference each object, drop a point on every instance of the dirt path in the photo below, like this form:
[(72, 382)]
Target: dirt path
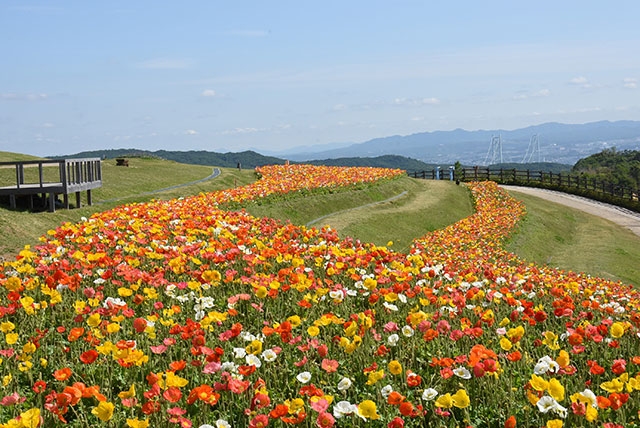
[(618, 215)]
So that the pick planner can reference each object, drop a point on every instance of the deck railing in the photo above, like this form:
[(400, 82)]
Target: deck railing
[(40, 176)]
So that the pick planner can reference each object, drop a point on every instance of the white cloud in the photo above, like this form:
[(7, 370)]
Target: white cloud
[(166, 64), (339, 107), (581, 81), (431, 101), (630, 82), (191, 132), (415, 101), (208, 93)]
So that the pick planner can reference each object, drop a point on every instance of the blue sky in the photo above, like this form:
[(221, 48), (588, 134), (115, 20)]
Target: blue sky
[(231, 76)]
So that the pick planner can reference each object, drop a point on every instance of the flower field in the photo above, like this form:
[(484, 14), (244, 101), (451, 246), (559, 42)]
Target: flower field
[(181, 313)]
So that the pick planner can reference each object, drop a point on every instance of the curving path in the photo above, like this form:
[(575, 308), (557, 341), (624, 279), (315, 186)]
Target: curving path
[(622, 216), (214, 174)]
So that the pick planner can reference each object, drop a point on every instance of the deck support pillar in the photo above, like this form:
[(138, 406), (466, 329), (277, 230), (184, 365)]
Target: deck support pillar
[(52, 202)]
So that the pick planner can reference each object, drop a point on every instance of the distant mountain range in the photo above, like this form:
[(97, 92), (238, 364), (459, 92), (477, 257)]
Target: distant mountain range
[(558, 145), (556, 142)]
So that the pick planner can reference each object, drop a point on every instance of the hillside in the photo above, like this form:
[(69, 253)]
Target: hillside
[(619, 167), (16, 157), (247, 159), (386, 161), (251, 159)]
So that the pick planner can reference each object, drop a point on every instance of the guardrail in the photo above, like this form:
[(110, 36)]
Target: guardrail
[(578, 184)]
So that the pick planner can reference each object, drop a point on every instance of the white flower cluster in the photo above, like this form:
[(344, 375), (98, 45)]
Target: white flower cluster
[(546, 365)]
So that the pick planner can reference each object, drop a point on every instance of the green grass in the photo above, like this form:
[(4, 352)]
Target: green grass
[(569, 239), (121, 185), (424, 205), (16, 157)]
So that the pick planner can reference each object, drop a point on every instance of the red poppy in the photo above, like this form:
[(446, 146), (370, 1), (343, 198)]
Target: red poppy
[(139, 325), (172, 394), (176, 366), (89, 356)]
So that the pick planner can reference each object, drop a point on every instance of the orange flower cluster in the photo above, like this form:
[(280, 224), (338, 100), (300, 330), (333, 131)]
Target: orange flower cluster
[(180, 313)]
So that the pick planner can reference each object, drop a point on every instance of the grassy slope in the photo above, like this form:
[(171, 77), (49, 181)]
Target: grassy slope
[(16, 157), (19, 228), (570, 239), (427, 205)]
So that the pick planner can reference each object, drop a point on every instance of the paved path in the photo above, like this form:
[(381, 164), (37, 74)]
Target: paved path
[(214, 174), (621, 216)]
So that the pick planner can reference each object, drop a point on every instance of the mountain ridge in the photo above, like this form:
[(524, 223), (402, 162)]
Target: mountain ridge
[(559, 143)]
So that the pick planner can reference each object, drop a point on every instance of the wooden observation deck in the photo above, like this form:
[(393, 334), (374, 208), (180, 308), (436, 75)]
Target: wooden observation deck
[(41, 177)]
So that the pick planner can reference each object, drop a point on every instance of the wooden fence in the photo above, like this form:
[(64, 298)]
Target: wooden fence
[(579, 184)]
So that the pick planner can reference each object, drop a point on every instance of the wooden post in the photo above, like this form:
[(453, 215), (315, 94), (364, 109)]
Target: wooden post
[(52, 202), (12, 201), (66, 200), (77, 199), (89, 201)]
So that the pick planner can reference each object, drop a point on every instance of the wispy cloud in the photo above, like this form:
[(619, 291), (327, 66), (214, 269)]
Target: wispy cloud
[(208, 93), (236, 131), (23, 97), (166, 64), (191, 132), (630, 82), (581, 81), (412, 102), (535, 94)]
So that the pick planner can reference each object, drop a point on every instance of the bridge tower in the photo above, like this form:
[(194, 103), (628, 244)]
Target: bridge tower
[(533, 150), (494, 155)]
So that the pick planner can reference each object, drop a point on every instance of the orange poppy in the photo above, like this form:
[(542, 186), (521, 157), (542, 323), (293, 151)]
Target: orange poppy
[(62, 374)]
